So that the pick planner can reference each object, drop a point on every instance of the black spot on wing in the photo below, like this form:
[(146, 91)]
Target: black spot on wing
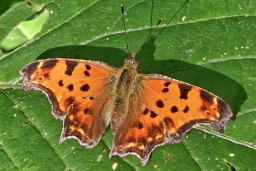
[(70, 67), (160, 103), (46, 75), (186, 109), (165, 90), (86, 73), (60, 82), (206, 96), (49, 63), (166, 84), (85, 87), (145, 111), (153, 114), (70, 87), (138, 125), (30, 68), (88, 67), (174, 109), (184, 89)]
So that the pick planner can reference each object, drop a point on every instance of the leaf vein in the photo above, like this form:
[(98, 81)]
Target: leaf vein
[(246, 144)]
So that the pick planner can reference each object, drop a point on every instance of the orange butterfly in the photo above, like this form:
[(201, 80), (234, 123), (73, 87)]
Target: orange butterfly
[(144, 111)]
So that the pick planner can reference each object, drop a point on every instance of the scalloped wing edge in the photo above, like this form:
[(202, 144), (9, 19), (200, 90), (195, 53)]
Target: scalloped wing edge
[(218, 124), (26, 72)]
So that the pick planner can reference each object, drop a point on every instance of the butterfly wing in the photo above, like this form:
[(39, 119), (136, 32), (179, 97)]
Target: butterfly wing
[(78, 91), (162, 110)]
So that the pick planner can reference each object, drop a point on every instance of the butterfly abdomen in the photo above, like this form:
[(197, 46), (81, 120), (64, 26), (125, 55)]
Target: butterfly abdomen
[(124, 86)]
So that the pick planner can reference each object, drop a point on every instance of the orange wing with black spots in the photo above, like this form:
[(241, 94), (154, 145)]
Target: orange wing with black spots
[(75, 88), (164, 110)]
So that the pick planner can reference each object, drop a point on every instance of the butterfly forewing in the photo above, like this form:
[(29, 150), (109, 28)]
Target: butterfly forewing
[(77, 90)]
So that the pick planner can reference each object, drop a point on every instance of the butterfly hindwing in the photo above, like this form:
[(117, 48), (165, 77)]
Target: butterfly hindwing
[(140, 132), (75, 88)]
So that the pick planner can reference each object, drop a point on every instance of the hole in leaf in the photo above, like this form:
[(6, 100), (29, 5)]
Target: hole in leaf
[(24, 31)]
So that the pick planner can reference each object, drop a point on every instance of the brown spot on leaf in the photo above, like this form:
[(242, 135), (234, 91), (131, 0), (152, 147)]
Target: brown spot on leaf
[(184, 89), (70, 67)]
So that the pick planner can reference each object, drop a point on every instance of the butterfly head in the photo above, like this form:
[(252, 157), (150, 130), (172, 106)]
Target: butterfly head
[(131, 61)]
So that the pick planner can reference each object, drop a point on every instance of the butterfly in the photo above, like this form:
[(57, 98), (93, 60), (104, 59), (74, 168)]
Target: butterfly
[(143, 110)]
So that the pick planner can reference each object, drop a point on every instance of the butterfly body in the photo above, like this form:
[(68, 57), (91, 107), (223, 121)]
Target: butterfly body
[(144, 111)]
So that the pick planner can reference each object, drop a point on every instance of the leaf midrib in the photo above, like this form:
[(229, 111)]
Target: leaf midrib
[(13, 162)]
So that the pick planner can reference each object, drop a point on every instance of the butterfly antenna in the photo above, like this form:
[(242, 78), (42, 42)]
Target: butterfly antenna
[(125, 31), (157, 24), (152, 30)]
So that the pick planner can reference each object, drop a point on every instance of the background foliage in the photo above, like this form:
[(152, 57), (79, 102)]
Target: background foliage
[(211, 44)]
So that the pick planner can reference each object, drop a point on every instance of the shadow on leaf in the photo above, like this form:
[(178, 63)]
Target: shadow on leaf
[(230, 90)]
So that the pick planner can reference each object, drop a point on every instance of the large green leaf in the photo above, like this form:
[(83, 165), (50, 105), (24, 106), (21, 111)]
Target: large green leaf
[(208, 43)]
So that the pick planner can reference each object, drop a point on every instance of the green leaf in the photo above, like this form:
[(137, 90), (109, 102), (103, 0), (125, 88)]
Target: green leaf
[(5, 5), (210, 44), (25, 31)]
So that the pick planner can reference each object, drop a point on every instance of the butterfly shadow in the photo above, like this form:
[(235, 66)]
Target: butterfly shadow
[(218, 83), (223, 86)]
